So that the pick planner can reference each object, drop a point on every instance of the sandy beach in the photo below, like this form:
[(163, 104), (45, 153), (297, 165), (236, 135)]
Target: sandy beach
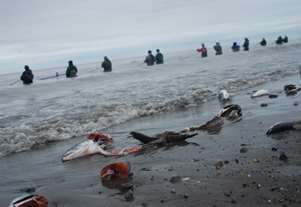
[(239, 166)]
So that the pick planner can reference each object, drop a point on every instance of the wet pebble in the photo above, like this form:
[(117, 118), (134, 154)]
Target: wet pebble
[(263, 105), (175, 179), (283, 157), (243, 150)]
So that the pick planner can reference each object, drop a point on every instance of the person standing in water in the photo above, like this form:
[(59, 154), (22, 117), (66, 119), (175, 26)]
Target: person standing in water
[(150, 59), (235, 47), (159, 57), (218, 49), (106, 64), (203, 51), (71, 71), (263, 42), (27, 76), (246, 44), (279, 40), (285, 39)]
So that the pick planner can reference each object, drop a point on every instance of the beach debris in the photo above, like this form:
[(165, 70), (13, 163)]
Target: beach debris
[(219, 165), (291, 89), (29, 200), (243, 150), (224, 96), (175, 179), (162, 138), (260, 93), (283, 157), (284, 126), (264, 105), (100, 137), (118, 170)]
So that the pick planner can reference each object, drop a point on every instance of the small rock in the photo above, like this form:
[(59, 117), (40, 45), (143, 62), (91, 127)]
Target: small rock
[(162, 201), (243, 150), (273, 96), (256, 161), (283, 157), (226, 162), (219, 165), (233, 201), (170, 169), (173, 191), (144, 204), (129, 196), (186, 196), (195, 160), (274, 149), (264, 105), (296, 103), (145, 169), (175, 179), (245, 185), (258, 185), (236, 161)]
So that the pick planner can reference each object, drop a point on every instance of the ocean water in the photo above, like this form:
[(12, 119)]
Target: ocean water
[(58, 109)]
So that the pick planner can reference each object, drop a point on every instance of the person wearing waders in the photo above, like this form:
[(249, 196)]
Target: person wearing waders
[(263, 42), (159, 57), (106, 65), (150, 59), (203, 51), (218, 49), (246, 44), (71, 71), (235, 47), (27, 76)]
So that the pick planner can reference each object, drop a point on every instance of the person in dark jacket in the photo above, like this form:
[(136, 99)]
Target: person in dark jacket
[(263, 42), (218, 49), (235, 47), (150, 59), (71, 71), (106, 64), (27, 76), (159, 57), (285, 39), (246, 44), (279, 40)]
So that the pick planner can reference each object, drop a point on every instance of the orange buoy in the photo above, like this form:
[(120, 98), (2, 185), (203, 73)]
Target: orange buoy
[(118, 170)]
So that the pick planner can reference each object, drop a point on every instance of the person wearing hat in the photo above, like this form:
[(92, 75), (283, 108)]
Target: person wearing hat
[(27, 76)]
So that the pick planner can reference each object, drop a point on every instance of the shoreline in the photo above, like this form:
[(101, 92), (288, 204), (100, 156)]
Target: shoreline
[(258, 178)]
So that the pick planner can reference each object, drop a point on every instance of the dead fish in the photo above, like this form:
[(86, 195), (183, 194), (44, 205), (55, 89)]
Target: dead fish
[(284, 126), (118, 170), (29, 201), (162, 138)]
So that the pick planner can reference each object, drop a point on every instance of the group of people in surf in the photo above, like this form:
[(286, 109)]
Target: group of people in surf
[(150, 59), (236, 47), (71, 71)]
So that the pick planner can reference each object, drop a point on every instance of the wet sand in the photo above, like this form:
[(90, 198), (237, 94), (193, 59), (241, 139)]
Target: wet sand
[(209, 170)]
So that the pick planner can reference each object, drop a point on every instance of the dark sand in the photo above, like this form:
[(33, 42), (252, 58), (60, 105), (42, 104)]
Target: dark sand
[(254, 178)]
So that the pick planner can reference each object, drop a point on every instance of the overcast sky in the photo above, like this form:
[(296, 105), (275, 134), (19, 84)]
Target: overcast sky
[(44, 33)]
